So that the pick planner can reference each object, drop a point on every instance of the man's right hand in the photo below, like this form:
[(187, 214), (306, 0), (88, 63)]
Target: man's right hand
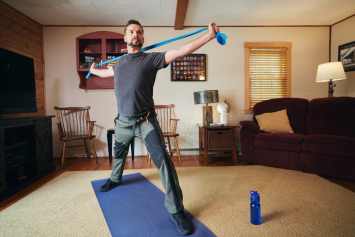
[(93, 66)]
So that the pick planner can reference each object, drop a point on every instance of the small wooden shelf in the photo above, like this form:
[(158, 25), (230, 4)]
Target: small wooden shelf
[(115, 53), (92, 53), (17, 164), (16, 145), (102, 44)]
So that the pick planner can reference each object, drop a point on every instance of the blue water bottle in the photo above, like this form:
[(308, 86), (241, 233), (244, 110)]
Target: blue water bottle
[(255, 217)]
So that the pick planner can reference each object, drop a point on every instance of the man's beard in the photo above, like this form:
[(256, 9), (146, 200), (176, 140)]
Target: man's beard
[(135, 45)]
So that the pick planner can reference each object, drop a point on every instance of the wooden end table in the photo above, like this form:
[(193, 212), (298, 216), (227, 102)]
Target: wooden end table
[(217, 141)]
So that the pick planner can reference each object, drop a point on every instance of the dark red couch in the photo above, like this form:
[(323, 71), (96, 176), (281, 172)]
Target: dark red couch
[(323, 141)]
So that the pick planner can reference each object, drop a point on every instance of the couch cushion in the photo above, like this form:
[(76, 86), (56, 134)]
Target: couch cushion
[(279, 141), (274, 122), (297, 110), (329, 144), (332, 116)]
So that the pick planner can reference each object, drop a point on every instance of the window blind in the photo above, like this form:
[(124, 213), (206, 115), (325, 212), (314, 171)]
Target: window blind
[(268, 72)]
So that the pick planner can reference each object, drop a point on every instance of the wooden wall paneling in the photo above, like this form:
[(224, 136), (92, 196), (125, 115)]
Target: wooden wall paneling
[(39, 104), (39, 70), (39, 82), (18, 27), (15, 15), (20, 42), (22, 35)]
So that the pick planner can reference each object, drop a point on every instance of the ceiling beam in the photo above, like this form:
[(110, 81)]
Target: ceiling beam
[(181, 9)]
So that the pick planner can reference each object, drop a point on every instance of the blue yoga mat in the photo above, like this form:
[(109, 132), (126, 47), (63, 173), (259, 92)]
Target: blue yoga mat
[(136, 208)]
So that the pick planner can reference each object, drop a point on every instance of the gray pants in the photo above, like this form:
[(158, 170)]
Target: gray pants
[(150, 133)]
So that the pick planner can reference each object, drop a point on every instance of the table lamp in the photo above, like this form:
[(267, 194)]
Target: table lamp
[(329, 72), (205, 97)]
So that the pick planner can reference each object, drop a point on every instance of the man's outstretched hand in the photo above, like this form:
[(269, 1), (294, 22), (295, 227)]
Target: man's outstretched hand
[(212, 30)]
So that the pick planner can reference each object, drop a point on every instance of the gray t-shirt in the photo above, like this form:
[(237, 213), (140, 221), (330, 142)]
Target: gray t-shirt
[(134, 77)]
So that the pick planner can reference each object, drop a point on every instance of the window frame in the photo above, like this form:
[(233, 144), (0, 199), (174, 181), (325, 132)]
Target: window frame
[(247, 46)]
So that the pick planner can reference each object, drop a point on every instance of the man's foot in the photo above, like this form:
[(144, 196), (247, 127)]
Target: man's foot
[(108, 185), (183, 224)]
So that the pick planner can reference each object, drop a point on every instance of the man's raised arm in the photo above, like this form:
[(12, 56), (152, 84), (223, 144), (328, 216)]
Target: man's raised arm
[(191, 46)]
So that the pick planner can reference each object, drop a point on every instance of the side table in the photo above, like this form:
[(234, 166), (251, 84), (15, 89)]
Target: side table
[(217, 141)]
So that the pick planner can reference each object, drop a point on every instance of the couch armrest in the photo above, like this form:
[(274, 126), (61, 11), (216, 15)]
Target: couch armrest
[(250, 125), (247, 135)]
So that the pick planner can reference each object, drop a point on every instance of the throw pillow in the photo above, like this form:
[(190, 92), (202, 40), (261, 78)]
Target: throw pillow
[(274, 122)]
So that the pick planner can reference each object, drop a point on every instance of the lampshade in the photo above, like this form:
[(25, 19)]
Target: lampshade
[(330, 71), (205, 97)]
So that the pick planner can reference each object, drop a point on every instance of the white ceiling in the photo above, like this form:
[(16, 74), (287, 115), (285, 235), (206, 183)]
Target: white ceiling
[(199, 12)]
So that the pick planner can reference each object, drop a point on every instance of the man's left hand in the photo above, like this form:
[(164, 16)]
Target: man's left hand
[(212, 30)]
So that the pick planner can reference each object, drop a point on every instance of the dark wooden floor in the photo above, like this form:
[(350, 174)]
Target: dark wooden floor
[(140, 162)]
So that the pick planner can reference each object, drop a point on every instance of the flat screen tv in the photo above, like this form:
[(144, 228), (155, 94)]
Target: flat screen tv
[(17, 83)]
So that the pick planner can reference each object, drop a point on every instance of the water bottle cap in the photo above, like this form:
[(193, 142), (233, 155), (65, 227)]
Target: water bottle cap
[(254, 194)]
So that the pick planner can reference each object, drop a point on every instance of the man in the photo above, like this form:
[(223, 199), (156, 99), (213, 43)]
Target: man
[(134, 78)]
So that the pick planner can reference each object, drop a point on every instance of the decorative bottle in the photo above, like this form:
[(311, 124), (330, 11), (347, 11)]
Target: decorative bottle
[(255, 217)]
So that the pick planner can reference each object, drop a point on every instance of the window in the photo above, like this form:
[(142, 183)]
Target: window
[(267, 72)]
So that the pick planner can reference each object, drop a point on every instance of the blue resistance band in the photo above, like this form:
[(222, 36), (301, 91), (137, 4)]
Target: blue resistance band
[(221, 39)]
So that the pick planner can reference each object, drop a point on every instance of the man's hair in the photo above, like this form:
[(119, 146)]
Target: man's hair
[(133, 22)]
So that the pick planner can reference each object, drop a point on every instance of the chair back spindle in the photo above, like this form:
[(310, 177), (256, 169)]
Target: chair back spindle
[(73, 121), (164, 115)]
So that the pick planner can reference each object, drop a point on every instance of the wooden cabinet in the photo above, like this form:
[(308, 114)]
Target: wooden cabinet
[(98, 46), (26, 152), (217, 141), (44, 145)]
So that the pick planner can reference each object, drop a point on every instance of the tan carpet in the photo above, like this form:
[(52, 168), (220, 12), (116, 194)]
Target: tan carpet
[(292, 204)]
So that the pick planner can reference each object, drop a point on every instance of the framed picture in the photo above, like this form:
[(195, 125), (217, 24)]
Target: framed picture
[(346, 55), (189, 68)]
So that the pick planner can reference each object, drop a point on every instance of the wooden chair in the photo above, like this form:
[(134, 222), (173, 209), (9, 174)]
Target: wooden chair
[(74, 124), (168, 126)]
